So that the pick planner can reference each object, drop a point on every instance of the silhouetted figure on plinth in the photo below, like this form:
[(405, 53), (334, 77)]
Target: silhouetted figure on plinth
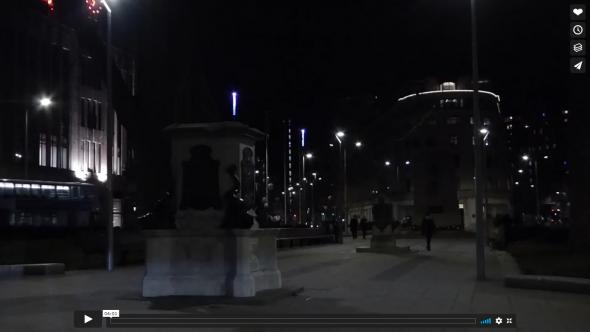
[(428, 228), (247, 172), (236, 211)]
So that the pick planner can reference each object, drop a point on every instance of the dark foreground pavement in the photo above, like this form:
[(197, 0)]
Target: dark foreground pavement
[(336, 280)]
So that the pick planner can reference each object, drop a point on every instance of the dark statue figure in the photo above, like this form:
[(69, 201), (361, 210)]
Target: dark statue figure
[(382, 214), (236, 212), (200, 185), (247, 176)]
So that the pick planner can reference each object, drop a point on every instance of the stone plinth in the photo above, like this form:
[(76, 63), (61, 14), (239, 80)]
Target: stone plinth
[(383, 242), (233, 262)]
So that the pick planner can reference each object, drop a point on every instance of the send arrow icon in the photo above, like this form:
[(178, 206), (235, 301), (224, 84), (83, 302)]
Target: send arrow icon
[(87, 319), (578, 65)]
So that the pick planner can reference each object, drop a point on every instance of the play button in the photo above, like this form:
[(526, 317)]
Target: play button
[(84, 319)]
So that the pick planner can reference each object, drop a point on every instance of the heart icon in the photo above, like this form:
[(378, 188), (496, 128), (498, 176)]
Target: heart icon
[(578, 11)]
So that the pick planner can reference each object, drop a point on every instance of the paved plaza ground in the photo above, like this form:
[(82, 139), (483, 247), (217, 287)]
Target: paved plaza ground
[(336, 280)]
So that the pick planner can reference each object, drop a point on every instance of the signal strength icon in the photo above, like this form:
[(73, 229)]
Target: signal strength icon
[(486, 321)]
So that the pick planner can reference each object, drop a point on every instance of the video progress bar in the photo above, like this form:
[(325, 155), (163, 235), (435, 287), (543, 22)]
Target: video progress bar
[(183, 321)]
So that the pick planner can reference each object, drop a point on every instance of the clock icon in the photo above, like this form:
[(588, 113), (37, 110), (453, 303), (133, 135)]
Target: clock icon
[(578, 30)]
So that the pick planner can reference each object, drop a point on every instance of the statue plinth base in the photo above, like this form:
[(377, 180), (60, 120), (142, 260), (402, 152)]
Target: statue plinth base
[(383, 242), (219, 262)]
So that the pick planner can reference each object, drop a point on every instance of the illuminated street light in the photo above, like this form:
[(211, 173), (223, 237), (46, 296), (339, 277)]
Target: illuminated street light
[(45, 102), (387, 163), (520, 171), (525, 157), (484, 131), (408, 162), (340, 134), (308, 155), (358, 144)]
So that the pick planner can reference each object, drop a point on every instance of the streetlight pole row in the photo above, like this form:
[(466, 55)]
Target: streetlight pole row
[(478, 172)]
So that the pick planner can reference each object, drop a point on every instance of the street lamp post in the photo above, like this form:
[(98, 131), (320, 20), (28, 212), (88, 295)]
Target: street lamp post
[(479, 221), (537, 195), (303, 196), (313, 184), (43, 103), (26, 143), (339, 137), (110, 139)]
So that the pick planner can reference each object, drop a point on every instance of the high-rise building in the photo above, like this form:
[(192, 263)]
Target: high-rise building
[(425, 153)]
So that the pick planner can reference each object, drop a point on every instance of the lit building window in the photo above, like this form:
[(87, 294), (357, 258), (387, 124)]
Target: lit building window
[(42, 150), (64, 154), (53, 151)]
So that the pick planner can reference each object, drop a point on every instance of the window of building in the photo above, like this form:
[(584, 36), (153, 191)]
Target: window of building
[(42, 150), (98, 157), (91, 154), (64, 154), (83, 103), (53, 151), (99, 116), (92, 114)]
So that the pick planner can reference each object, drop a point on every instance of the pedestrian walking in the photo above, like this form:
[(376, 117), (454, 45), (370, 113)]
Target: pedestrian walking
[(428, 228), (364, 226), (354, 222)]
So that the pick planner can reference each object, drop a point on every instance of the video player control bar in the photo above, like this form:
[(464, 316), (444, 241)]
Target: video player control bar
[(185, 320)]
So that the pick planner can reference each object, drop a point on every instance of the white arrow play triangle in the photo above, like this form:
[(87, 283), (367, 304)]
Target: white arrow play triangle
[(87, 319)]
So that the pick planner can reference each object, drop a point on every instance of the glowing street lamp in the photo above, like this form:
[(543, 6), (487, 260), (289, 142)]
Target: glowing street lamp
[(45, 102), (525, 157), (387, 163), (358, 144), (308, 155), (339, 135)]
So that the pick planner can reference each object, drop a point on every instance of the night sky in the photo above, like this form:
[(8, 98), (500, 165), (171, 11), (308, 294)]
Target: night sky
[(300, 60)]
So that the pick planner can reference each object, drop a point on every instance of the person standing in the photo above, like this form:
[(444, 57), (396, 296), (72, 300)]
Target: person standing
[(428, 228), (354, 222), (364, 226)]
